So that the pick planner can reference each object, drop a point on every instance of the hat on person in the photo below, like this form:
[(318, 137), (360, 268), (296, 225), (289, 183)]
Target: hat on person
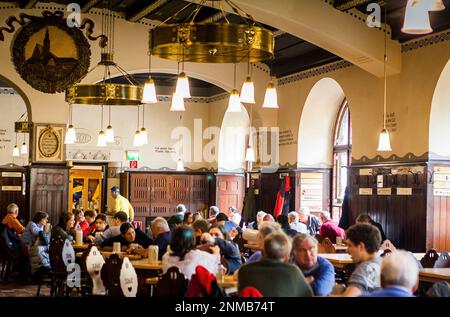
[(115, 189)]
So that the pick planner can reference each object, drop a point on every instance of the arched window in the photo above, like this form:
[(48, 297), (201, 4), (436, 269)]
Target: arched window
[(342, 146)]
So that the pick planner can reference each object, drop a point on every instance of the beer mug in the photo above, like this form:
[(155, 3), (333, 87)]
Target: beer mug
[(153, 254), (48, 227), (116, 247), (338, 241)]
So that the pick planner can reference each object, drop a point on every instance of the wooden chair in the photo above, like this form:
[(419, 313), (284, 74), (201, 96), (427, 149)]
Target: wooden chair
[(429, 259), (172, 284), (327, 246), (443, 261), (110, 274)]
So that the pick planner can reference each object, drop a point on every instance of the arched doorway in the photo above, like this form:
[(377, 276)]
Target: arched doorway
[(316, 146)]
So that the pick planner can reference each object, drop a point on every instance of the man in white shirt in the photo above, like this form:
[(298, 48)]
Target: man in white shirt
[(233, 215)]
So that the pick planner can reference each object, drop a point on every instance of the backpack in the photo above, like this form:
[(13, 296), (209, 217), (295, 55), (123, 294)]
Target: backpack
[(10, 240)]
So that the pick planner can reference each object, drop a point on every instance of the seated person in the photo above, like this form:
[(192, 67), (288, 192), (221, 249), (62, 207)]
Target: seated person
[(100, 227), (196, 216), (178, 218), (295, 223), (259, 218), (233, 215), (120, 217), (312, 222), (10, 220), (200, 227), (365, 218), (269, 217), (89, 216), (330, 229), (222, 220), (230, 251), (265, 228), (213, 212), (161, 234), (363, 241), (272, 276), (80, 220), (184, 255), (64, 229), (399, 275), (318, 271), (128, 236), (40, 219), (188, 218), (284, 222)]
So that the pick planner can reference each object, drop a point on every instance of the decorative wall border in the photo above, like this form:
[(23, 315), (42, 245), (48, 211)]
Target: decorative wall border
[(409, 157), (426, 41), (314, 72), (7, 91), (168, 98)]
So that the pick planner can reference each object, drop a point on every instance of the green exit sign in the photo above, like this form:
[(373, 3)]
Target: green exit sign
[(133, 155)]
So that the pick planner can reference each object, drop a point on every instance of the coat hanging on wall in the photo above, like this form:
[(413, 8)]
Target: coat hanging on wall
[(48, 53)]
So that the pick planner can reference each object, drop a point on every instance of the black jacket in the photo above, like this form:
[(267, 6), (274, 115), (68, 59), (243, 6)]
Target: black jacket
[(141, 238)]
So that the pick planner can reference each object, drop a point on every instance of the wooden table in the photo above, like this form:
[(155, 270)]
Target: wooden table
[(228, 282), (434, 275), (340, 248), (144, 264), (339, 260), (83, 246)]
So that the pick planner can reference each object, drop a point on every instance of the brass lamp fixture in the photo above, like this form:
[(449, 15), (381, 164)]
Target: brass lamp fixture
[(107, 93)]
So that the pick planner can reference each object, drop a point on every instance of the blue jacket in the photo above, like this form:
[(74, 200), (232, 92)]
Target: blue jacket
[(162, 241), (324, 277), (230, 251), (390, 291)]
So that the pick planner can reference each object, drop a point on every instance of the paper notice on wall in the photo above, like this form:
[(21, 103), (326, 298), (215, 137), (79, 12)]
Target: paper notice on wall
[(404, 191), (380, 181), (12, 174), (384, 191), (12, 188), (365, 171), (365, 191), (441, 192)]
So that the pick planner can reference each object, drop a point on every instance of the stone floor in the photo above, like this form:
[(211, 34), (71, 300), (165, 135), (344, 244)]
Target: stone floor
[(20, 289)]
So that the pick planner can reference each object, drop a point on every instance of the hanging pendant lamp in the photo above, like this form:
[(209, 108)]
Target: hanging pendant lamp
[(437, 5), (149, 94), (143, 132), (234, 103), (109, 130), (417, 18), (101, 141), (24, 148), (384, 143), (248, 88), (271, 97), (71, 135)]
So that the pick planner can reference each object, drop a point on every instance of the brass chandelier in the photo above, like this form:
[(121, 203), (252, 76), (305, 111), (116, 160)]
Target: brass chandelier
[(106, 93), (204, 42)]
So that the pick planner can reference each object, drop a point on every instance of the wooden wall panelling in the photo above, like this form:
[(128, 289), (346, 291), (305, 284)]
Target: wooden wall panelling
[(230, 191), (49, 187), (12, 194), (140, 195), (160, 196), (199, 193), (180, 187)]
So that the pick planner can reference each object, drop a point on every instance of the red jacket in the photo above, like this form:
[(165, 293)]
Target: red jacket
[(331, 230)]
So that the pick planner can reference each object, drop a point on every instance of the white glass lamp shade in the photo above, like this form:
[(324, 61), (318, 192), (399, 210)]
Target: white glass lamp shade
[(234, 104), (16, 152), (137, 141), (271, 97), (437, 5), (101, 141), (183, 86), (177, 103), (109, 134), (248, 91), (250, 155), (149, 95), (71, 135), (24, 148), (417, 19), (144, 136), (384, 143), (180, 165)]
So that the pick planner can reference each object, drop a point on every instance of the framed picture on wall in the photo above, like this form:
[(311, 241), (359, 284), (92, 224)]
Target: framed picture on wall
[(48, 143)]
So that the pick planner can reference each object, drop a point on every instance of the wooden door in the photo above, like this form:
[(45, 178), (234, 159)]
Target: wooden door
[(160, 195), (140, 195), (12, 190), (199, 193), (49, 188), (230, 191)]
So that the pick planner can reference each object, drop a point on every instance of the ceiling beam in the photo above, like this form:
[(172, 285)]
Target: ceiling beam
[(27, 4), (89, 5), (138, 15), (323, 25)]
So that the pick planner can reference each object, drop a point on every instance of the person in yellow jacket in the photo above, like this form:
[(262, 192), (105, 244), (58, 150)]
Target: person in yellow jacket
[(121, 203)]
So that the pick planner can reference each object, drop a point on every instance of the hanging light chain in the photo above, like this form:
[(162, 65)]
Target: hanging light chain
[(385, 61)]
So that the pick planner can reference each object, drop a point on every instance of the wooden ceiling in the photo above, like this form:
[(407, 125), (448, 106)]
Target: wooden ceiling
[(292, 54)]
